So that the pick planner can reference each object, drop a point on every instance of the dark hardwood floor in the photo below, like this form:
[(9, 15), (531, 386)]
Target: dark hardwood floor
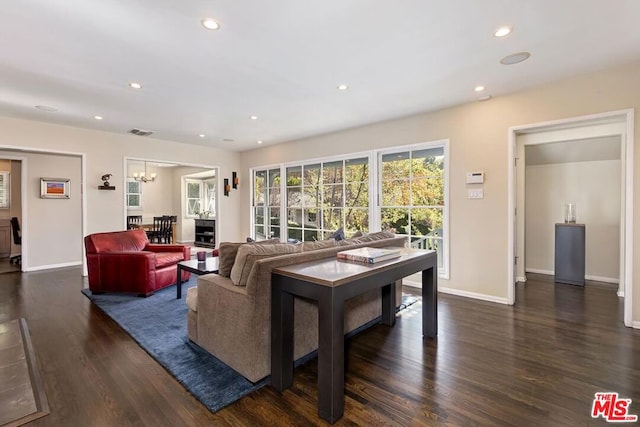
[(536, 363)]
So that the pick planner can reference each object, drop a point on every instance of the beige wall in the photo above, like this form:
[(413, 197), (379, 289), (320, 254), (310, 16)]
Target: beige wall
[(104, 153), (478, 134), (595, 189), (157, 196)]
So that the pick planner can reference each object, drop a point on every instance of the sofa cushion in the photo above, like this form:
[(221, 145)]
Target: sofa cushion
[(371, 237), (165, 259), (227, 254), (192, 298), (319, 244), (248, 254)]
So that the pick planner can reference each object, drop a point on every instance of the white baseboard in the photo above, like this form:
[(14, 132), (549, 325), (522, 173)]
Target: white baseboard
[(620, 293), (474, 295), (50, 266), (539, 271), (635, 325), (521, 279), (587, 276)]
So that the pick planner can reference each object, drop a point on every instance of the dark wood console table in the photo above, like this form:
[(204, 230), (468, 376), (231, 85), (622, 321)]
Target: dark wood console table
[(331, 282)]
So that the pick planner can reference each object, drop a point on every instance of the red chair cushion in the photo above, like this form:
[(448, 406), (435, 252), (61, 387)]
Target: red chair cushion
[(164, 259)]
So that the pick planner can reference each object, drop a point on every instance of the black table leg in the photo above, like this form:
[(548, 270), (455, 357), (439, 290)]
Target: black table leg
[(179, 282), (330, 357), (430, 302), (389, 304)]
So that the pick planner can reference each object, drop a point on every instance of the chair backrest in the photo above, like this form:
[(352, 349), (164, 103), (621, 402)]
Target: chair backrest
[(15, 228), (133, 220)]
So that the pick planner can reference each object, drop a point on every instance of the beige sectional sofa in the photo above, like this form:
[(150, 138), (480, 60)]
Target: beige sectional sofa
[(230, 316)]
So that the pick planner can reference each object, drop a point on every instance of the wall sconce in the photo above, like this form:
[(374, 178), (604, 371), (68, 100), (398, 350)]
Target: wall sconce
[(227, 187), (234, 180), (105, 184)]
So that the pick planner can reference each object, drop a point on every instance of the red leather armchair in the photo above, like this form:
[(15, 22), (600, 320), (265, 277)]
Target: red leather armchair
[(125, 261)]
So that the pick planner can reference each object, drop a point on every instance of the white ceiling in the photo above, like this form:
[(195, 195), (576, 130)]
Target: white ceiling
[(282, 60)]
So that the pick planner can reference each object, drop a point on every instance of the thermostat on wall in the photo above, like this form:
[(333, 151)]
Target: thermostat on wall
[(475, 177)]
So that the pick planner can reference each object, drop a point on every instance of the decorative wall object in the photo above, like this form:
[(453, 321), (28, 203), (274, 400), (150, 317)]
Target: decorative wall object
[(54, 188), (105, 185), (234, 180), (227, 187)]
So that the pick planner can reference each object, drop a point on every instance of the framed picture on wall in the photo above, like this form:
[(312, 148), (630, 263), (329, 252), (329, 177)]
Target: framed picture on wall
[(54, 188)]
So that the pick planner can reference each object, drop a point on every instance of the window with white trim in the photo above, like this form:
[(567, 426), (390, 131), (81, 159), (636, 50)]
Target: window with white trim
[(412, 198), (408, 195), (200, 197), (134, 194)]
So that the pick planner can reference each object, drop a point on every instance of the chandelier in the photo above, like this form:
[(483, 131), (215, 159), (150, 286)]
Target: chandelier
[(143, 177)]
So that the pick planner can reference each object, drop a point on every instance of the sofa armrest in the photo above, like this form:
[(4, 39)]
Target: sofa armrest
[(113, 270), (185, 249)]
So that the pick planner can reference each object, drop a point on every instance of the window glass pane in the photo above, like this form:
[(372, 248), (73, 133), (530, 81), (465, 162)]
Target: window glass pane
[(312, 175), (275, 216), (429, 162), (260, 188), (356, 219), (259, 232), (274, 178), (311, 219), (427, 192), (193, 190), (395, 220), (395, 166), (273, 197), (312, 195), (395, 193), (133, 200), (425, 221), (294, 217), (332, 219), (259, 215), (357, 170), (332, 172), (132, 187), (294, 176), (274, 232), (294, 196), (210, 197), (357, 194), (333, 195)]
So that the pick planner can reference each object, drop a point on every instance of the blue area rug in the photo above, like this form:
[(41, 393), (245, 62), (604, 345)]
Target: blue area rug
[(159, 325)]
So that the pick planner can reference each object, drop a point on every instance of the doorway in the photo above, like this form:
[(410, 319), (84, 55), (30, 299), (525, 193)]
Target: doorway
[(613, 124)]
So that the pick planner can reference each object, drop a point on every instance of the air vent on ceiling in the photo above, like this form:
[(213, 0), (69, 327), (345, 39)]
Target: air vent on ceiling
[(141, 132)]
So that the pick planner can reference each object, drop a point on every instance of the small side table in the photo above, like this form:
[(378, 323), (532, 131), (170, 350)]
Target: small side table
[(195, 267)]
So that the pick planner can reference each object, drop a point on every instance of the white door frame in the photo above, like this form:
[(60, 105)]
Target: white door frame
[(626, 229)]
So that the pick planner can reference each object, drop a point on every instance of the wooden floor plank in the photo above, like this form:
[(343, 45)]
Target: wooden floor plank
[(536, 363)]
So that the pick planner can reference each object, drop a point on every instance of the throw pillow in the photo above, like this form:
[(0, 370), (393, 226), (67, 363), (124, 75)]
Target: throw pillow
[(338, 234), (227, 254), (248, 254)]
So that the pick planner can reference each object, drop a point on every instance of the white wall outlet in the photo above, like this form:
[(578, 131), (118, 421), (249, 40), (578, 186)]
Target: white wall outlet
[(476, 194)]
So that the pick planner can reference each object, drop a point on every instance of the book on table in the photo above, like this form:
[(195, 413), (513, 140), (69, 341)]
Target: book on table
[(369, 255)]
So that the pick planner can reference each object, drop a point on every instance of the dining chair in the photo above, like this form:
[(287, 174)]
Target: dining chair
[(133, 221)]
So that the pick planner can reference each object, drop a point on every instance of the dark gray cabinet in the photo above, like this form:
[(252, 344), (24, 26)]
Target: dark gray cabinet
[(205, 233), (570, 254)]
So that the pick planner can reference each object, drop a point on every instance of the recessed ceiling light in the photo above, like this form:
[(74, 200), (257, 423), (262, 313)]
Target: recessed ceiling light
[(254, 117), (135, 85), (46, 108), (259, 142), (502, 32), (210, 24), (479, 88), (343, 87), (98, 117), (515, 58), (202, 135)]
